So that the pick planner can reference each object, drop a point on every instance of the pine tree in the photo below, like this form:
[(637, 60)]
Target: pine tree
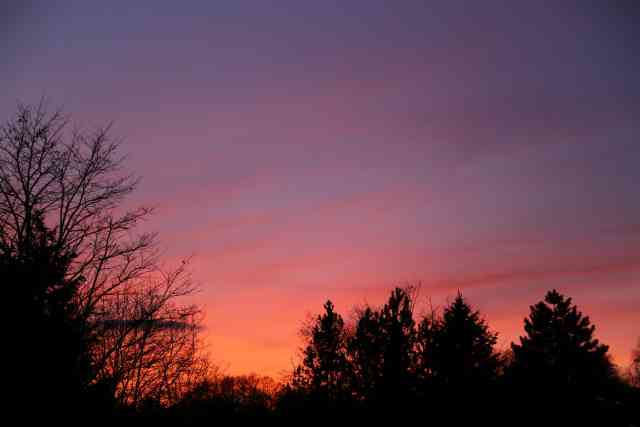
[(399, 332), (461, 352), (51, 344), (425, 337), (382, 350), (559, 350), (365, 353), (324, 368)]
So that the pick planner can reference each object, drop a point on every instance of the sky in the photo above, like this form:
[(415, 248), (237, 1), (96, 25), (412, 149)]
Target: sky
[(306, 150)]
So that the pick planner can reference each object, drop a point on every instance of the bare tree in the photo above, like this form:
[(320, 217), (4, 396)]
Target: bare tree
[(150, 347), (75, 183)]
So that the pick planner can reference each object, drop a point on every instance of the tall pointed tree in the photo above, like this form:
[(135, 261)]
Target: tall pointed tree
[(461, 353), (559, 350), (399, 332), (365, 353), (324, 368), (381, 350)]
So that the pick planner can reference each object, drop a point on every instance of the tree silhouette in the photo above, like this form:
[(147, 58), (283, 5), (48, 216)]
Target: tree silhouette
[(460, 353), (425, 345), (381, 350), (447, 365), (399, 334), (226, 398), (365, 349), (70, 249), (35, 282), (324, 368), (559, 349), (149, 348)]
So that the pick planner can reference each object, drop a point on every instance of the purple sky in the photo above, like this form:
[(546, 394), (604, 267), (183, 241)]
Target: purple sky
[(306, 150)]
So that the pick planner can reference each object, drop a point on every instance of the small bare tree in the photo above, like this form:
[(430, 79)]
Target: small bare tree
[(73, 181), (150, 347)]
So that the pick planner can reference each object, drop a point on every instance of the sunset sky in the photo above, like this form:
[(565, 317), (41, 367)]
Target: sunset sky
[(305, 150)]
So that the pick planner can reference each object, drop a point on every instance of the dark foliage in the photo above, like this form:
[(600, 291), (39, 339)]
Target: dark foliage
[(559, 364), (457, 360), (559, 349), (398, 334), (324, 371), (366, 354), (460, 353), (447, 369), (51, 359)]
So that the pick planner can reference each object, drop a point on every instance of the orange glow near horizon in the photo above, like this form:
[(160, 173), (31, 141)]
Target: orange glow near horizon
[(258, 331)]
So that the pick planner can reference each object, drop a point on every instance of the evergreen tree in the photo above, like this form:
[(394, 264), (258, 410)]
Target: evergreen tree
[(324, 369), (461, 352), (399, 334), (559, 350), (365, 352), (381, 350), (426, 335), (51, 344)]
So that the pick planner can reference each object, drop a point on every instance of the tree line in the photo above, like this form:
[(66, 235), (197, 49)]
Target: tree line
[(100, 330), (446, 365)]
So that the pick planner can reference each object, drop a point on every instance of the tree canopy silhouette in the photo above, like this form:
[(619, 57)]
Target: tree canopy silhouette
[(366, 355), (397, 328), (381, 350), (460, 352), (447, 364), (49, 323), (559, 350), (324, 368)]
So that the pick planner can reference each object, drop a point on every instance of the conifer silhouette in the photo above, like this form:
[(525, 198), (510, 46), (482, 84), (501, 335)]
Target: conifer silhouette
[(324, 369), (461, 353), (559, 349)]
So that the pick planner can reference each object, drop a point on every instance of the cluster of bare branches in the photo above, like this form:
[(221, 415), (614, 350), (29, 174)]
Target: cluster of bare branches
[(242, 391), (73, 181), (150, 347)]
